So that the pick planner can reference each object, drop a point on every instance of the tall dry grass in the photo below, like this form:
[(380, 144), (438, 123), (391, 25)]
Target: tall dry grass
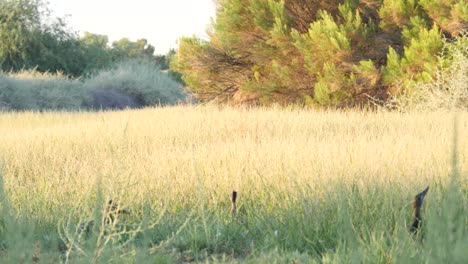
[(313, 186)]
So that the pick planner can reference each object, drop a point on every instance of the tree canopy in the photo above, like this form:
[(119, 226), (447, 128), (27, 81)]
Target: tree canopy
[(31, 38), (328, 53)]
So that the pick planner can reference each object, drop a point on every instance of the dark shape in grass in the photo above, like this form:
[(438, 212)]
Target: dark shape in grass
[(233, 204), (418, 201), (112, 99), (113, 210), (111, 213)]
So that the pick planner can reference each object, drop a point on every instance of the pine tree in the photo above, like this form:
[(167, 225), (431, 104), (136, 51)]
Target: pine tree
[(324, 53)]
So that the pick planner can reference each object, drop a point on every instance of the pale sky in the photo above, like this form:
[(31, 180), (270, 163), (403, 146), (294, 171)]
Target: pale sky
[(161, 22)]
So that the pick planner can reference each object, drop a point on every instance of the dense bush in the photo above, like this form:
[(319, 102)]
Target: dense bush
[(324, 53), (32, 90), (128, 84), (142, 81), (447, 90)]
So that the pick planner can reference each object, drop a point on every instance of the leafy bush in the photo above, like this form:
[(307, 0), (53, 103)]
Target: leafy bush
[(32, 90), (447, 90), (141, 80), (128, 84)]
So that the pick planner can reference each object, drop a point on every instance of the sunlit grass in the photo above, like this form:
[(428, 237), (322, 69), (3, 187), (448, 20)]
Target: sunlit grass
[(312, 185)]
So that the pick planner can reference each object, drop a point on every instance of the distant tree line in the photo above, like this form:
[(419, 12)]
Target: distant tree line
[(322, 53), (40, 56), (31, 38)]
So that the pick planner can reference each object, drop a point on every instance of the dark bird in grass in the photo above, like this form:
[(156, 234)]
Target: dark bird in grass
[(233, 204), (112, 211), (418, 201), (110, 216)]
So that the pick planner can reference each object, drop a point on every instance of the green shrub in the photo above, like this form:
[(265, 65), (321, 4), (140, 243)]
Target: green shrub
[(447, 90), (141, 80), (128, 84), (32, 90)]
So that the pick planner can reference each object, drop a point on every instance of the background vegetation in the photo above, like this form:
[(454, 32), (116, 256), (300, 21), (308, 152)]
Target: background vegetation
[(127, 84), (46, 65), (447, 90), (310, 53), (314, 187), (321, 53), (31, 38)]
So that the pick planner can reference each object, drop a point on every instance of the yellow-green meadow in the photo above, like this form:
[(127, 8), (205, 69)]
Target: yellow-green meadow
[(313, 187)]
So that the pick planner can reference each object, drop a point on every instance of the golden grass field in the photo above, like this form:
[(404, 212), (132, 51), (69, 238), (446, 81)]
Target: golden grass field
[(185, 157)]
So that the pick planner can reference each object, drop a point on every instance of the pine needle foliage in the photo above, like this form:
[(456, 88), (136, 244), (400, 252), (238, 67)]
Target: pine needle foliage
[(319, 53)]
